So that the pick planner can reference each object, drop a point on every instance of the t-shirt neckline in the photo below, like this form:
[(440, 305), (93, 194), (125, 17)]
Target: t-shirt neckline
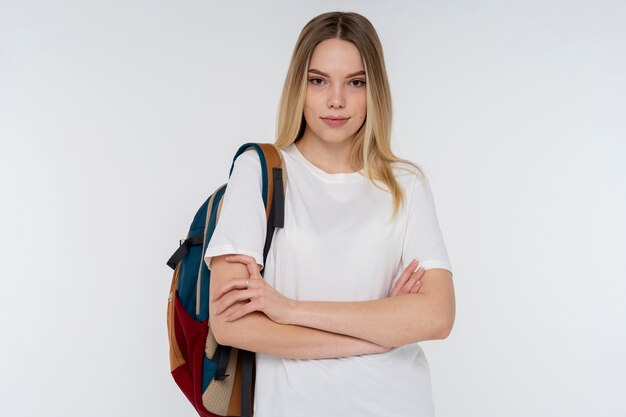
[(341, 177)]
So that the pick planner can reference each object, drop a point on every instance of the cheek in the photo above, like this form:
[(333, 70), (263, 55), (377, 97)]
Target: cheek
[(362, 109), (311, 106), (360, 102), (308, 113)]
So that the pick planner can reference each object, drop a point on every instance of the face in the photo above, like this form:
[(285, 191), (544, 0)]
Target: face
[(335, 104)]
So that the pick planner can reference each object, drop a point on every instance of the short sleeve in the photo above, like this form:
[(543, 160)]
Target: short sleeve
[(423, 239), (241, 227)]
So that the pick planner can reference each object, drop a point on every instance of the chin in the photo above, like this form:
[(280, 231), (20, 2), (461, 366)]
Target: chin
[(337, 135), (336, 138)]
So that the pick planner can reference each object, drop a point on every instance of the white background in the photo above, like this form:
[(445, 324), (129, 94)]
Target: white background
[(118, 118)]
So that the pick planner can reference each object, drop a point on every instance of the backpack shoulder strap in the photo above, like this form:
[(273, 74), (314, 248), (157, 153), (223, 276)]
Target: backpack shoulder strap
[(274, 181)]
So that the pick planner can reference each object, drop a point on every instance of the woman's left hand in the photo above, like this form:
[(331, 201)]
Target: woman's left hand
[(410, 281), (262, 297)]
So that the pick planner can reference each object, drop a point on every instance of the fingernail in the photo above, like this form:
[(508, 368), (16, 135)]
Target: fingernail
[(228, 258)]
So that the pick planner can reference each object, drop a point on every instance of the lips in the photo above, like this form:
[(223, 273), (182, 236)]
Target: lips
[(335, 121)]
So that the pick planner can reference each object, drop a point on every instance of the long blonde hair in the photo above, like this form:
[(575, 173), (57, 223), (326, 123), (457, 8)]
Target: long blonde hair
[(371, 148)]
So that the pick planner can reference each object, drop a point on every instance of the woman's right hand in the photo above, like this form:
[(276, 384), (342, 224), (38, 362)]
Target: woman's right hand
[(409, 282)]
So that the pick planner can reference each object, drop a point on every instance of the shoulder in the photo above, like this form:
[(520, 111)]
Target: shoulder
[(248, 157), (410, 173), (247, 162), (406, 167), (246, 172)]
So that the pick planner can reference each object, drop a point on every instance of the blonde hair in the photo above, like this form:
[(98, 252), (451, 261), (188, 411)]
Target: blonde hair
[(371, 148)]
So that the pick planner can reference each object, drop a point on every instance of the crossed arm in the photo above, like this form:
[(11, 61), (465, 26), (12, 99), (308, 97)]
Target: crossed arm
[(255, 317)]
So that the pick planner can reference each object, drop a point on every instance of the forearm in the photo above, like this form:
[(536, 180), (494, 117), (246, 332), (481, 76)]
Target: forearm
[(257, 333), (388, 322), (391, 322)]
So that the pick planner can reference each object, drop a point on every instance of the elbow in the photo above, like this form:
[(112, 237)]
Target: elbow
[(234, 333), (443, 328), (445, 319), (443, 332), (437, 329), (219, 330)]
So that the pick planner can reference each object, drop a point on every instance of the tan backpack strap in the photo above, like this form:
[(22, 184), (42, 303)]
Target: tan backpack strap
[(273, 159)]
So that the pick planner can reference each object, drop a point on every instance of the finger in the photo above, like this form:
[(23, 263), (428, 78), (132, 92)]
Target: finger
[(399, 284), (238, 257), (409, 287), (415, 289), (244, 259), (242, 311), (234, 297), (406, 288), (253, 269), (416, 276), (250, 263), (406, 274), (420, 272), (231, 284)]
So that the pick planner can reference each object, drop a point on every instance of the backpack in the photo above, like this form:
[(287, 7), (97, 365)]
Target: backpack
[(217, 380)]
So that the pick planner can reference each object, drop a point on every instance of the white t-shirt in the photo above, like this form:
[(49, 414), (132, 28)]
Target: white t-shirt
[(337, 245)]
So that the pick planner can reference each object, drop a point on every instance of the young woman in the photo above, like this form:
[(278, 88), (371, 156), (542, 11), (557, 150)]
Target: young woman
[(337, 317)]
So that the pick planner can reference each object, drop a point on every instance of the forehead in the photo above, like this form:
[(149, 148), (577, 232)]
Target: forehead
[(336, 56)]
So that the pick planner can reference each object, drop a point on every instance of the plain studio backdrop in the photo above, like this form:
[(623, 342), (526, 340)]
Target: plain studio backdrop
[(118, 119)]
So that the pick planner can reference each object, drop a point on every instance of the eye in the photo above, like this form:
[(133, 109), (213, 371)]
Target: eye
[(360, 83), (313, 81)]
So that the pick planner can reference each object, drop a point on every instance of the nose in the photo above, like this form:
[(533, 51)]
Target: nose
[(336, 99)]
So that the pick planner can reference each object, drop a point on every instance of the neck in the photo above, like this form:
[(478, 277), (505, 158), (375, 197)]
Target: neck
[(333, 158)]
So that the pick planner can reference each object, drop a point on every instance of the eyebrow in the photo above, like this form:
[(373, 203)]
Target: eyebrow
[(347, 76)]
